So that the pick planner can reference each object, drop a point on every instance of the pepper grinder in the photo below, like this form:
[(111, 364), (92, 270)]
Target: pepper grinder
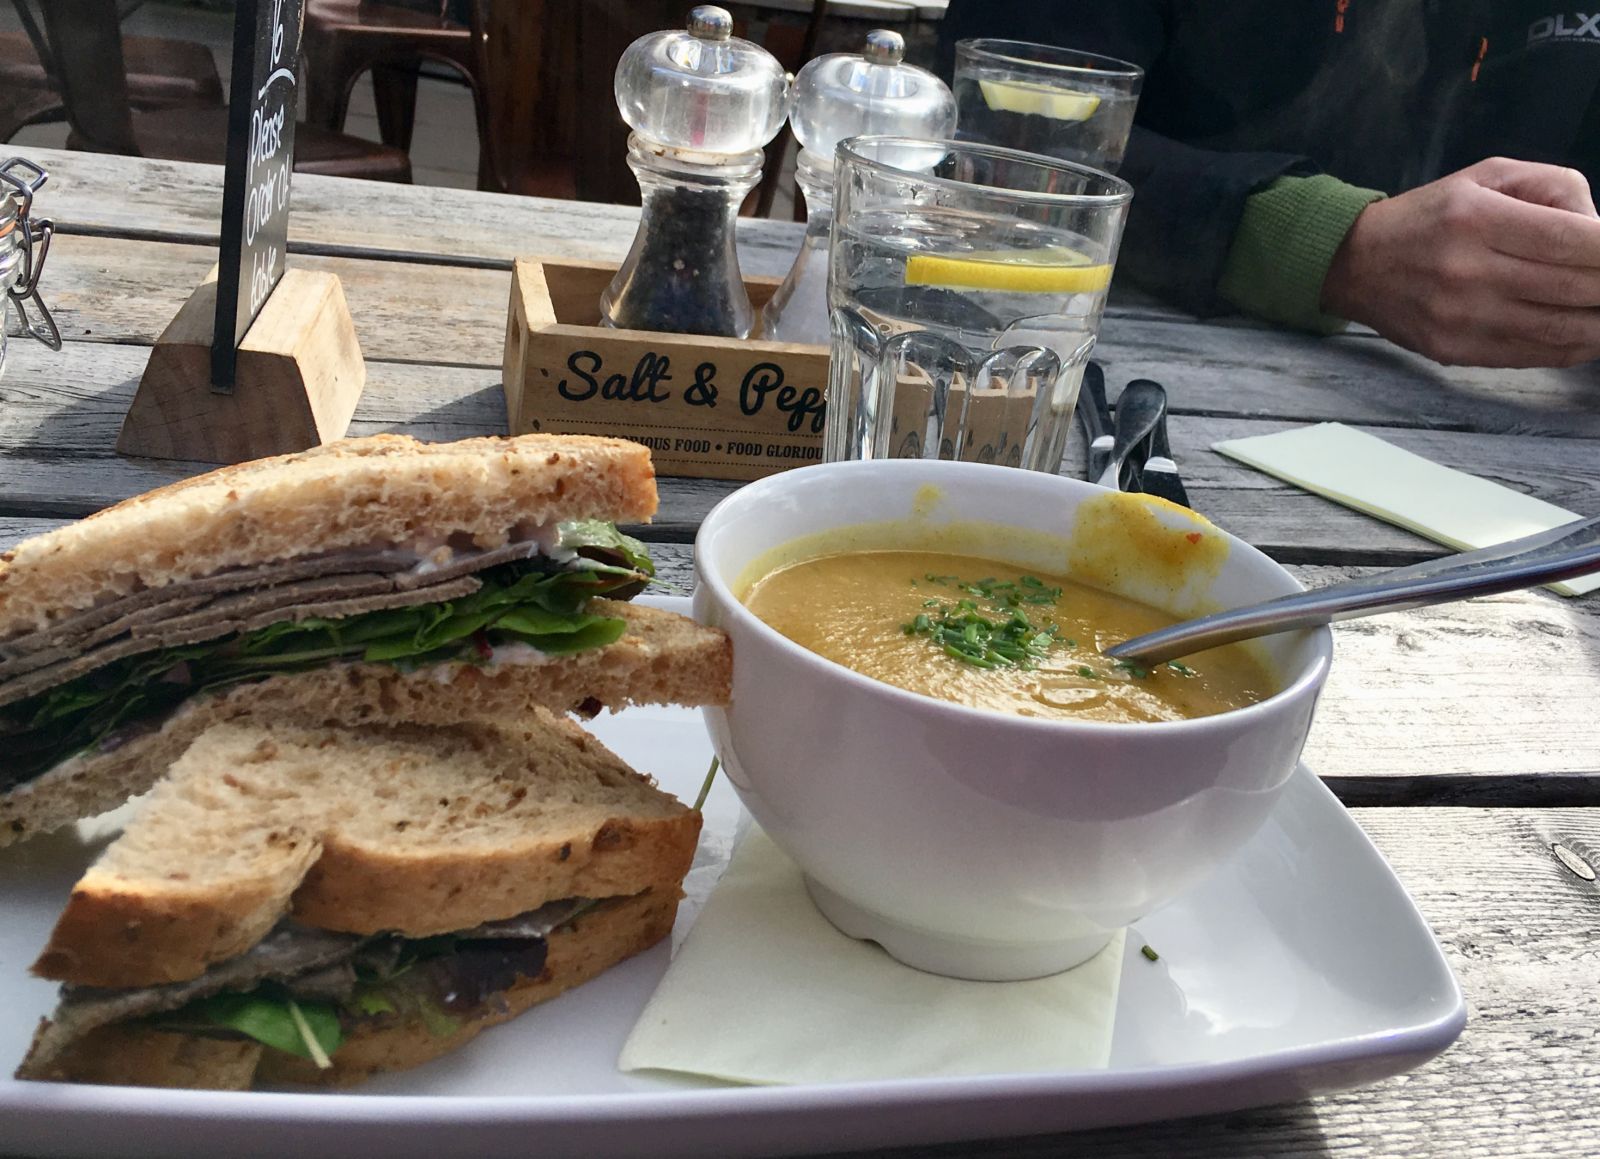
[(835, 97), (701, 104)]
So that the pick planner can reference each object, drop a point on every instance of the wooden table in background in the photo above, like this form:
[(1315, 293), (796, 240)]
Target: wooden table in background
[(1465, 736)]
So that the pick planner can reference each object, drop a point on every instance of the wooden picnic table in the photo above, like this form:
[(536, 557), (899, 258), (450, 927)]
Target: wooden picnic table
[(1464, 737)]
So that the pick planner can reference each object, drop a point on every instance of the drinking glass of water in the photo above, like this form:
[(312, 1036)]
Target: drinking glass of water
[(966, 284), (1042, 99)]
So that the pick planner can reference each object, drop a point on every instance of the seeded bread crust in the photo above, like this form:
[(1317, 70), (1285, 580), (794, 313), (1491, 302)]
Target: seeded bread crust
[(405, 829), (663, 658), (386, 489), (133, 1055), (140, 1056)]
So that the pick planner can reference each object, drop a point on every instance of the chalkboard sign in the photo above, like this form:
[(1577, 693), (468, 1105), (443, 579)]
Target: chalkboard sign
[(255, 192)]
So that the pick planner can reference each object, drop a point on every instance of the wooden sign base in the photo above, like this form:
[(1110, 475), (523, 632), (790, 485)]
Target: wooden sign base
[(299, 376)]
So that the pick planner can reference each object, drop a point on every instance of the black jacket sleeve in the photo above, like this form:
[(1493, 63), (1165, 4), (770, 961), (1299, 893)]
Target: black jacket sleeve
[(1187, 200)]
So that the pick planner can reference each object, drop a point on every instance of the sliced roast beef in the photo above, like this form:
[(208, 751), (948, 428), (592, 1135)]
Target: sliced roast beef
[(65, 649), (464, 563), (70, 631), (339, 599)]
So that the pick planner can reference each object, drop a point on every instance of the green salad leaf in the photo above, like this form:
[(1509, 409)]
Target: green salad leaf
[(271, 1020), (518, 604), (597, 540)]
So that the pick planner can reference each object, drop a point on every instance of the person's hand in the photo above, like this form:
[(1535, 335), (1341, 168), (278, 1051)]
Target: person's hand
[(1495, 265)]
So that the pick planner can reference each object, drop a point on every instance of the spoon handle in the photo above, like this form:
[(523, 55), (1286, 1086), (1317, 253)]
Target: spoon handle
[(1564, 552), (1139, 408), (1096, 417)]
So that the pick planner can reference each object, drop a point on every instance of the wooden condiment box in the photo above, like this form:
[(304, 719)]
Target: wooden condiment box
[(715, 408)]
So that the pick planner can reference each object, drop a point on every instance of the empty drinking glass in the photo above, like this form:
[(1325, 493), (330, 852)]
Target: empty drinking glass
[(1042, 99), (966, 285)]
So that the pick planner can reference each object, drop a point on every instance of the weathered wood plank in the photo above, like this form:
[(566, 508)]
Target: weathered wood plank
[(1518, 928), (1222, 370), (123, 291), (1497, 688), (119, 291), (14, 530), (58, 410), (177, 201), (1287, 523)]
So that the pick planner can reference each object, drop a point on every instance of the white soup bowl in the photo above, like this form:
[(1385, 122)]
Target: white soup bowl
[(974, 843)]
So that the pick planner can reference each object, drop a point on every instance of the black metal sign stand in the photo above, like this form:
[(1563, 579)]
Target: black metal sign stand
[(260, 160)]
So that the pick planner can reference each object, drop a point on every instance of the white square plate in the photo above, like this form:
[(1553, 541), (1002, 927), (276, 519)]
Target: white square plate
[(1301, 966)]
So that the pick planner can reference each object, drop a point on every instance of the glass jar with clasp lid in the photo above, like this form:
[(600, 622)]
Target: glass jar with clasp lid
[(701, 104), (24, 242)]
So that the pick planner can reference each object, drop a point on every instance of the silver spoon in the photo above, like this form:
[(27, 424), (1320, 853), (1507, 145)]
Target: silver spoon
[(1564, 552), (1139, 408)]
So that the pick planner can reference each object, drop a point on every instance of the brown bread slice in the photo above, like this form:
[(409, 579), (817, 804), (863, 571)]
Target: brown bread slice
[(355, 493), (407, 829), (138, 1055), (663, 658)]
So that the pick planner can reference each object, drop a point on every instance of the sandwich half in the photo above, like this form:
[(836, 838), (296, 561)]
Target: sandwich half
[(355, 580), (304, 904)]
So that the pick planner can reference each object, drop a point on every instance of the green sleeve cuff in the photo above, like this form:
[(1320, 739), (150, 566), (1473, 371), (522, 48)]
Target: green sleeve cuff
[(1285, 242)]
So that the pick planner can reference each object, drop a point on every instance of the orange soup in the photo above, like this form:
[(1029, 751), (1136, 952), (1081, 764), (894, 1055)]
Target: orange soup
[(987, 635)]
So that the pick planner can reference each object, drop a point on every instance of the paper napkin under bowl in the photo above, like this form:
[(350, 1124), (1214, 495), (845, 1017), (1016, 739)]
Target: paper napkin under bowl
[(1371, 475), (765, 990)]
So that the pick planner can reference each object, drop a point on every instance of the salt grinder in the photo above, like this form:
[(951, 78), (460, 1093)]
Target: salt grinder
[(835, 97), (701, 104)]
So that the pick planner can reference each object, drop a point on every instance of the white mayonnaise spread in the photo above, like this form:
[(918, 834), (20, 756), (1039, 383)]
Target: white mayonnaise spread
[(536, 538), (516, 653)]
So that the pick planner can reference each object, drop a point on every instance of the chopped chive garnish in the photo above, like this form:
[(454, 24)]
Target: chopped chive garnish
[(1006, 637), (1149, 953), (705, 785)]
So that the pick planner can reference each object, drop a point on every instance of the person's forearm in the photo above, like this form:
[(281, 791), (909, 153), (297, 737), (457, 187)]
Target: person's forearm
[(1286, 239), (1187, 204)]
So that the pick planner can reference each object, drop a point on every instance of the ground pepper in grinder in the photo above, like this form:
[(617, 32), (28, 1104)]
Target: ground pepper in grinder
[(701, 104)]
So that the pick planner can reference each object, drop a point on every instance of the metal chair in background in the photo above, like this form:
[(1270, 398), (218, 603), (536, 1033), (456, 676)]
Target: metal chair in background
[(163, 73), (345, 38), (82, 49)]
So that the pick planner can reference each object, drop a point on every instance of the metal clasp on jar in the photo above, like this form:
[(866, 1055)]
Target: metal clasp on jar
[(25, 178)]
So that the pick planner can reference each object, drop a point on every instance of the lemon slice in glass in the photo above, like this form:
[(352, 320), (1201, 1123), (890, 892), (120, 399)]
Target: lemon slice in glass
[(1005, 96), (1052, 270)]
